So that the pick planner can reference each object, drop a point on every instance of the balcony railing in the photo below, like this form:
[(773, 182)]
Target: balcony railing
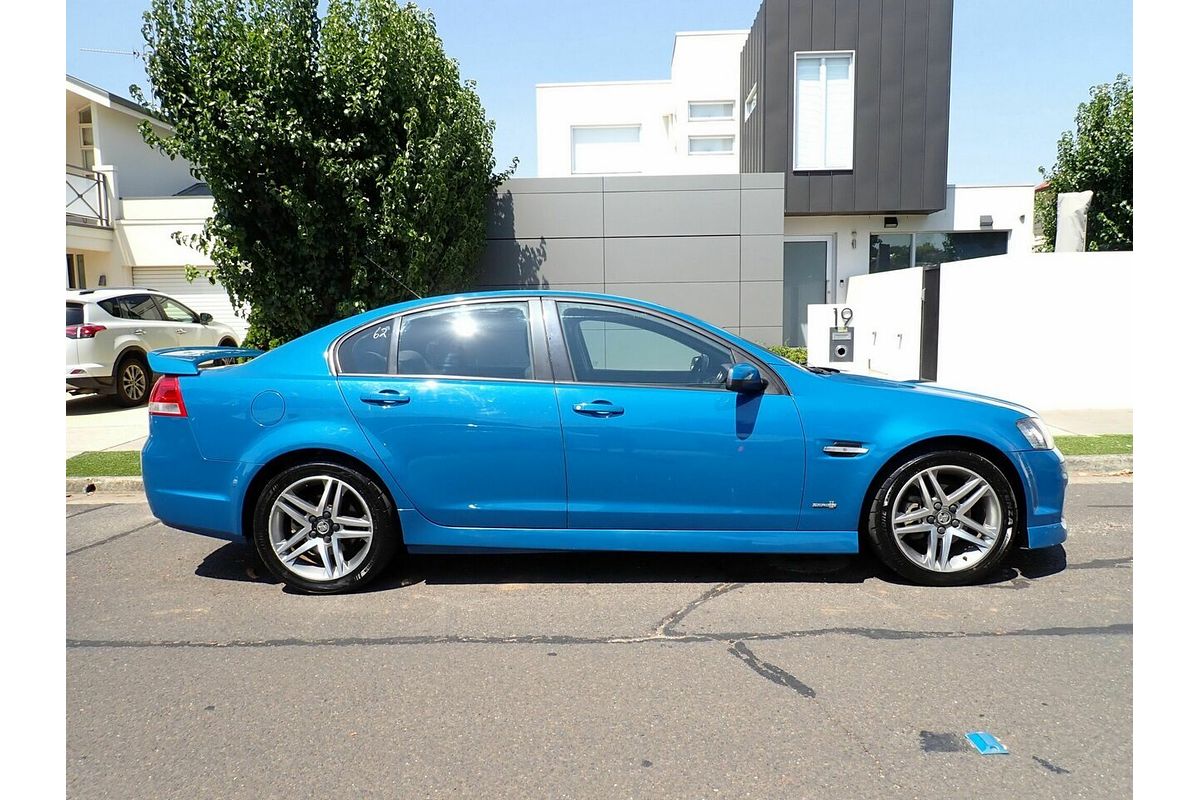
[(87, 197)]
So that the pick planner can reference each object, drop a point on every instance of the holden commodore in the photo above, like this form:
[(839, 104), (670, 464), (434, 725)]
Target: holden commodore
[(541, 421)]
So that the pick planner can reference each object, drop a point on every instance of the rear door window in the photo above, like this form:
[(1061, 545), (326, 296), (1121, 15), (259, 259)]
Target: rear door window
[(140, 306), (479, 340)]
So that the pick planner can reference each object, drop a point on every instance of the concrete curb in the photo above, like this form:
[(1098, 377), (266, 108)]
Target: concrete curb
[(1076, 465), (1100, 465), (104, 485)]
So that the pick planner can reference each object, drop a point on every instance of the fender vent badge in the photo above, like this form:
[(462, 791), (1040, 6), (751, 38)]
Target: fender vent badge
[(826, 504)]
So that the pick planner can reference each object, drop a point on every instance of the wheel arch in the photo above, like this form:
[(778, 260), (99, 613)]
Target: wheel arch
[(967, 443), (307, 455)]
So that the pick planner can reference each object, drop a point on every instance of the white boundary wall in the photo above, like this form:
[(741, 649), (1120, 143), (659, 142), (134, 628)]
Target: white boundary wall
[(1051, 331)]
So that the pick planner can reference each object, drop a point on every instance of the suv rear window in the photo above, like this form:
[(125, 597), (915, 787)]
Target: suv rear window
[(74, 314)]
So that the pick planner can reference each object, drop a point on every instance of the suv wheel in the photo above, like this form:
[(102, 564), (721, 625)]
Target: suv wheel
[(131, 379)]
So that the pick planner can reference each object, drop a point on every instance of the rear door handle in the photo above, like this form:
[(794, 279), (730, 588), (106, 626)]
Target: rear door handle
[(181, 330), (598, 408), (139, 332), (384, 397)]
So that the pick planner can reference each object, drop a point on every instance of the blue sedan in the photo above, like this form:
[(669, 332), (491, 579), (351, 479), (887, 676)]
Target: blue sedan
[(535, 421)]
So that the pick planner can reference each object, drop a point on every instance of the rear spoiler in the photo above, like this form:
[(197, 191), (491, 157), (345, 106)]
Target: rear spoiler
[(187, 360)]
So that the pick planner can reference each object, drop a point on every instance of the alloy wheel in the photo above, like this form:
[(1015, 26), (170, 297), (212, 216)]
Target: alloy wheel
[(320, 528), (133, 381), (946, 518)]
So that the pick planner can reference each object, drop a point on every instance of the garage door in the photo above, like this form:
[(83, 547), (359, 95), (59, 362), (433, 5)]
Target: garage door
[(199, 295)]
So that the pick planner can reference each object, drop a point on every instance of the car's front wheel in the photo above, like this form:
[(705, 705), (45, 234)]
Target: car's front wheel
[(944, 519), (324, 528)]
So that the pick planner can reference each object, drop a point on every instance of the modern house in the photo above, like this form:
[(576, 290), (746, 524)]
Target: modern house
[(839, 107), (125, 201)]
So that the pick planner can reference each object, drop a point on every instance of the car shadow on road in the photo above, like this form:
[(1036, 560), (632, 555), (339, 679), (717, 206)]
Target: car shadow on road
[(237, 561)]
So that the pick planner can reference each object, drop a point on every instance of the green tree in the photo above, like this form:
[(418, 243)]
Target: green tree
[(349, 164), (1097, 156)]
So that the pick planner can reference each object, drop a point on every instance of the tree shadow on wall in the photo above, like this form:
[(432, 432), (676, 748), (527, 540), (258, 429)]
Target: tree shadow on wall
[(508, 262)]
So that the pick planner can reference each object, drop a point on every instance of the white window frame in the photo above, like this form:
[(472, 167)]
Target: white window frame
[(821, 54), (729, 118), (732, 145), (625, 125), (750, 103)]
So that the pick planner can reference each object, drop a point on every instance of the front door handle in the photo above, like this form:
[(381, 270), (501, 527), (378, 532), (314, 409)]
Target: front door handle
[(384, 397), (599, 408), (181, 330), (139, 332)]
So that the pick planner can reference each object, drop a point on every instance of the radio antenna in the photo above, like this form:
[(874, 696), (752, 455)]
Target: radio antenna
[(393, 277)]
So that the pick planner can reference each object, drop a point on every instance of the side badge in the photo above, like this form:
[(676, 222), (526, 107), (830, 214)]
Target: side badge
[(826, 504)]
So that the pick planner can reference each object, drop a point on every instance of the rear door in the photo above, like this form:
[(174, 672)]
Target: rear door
[(653, 439), (458, 403)]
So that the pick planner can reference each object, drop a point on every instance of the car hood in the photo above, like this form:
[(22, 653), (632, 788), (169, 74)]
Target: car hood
[(925, 389)]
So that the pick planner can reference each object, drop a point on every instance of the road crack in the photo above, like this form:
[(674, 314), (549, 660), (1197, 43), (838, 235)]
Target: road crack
[(770, 671), (672, 620)]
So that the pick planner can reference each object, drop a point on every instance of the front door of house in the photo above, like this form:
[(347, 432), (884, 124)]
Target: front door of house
[(805, 281)]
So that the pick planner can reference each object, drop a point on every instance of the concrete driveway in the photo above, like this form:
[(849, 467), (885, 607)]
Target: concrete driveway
[(97, 423)]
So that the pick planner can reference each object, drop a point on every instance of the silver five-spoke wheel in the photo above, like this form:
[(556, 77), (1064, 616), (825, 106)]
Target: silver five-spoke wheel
[(946, 518), (320, 528)]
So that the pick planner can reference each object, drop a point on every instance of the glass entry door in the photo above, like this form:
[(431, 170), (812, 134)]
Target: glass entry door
[(805, 281)]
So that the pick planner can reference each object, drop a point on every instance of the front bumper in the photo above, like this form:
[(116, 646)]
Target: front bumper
[(1044, 473)]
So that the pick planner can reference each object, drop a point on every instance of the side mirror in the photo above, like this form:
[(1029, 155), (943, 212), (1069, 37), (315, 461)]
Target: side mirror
[(745, 378), (205, 318)]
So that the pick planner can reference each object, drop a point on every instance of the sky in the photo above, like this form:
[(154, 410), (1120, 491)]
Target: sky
[(1019, 67)]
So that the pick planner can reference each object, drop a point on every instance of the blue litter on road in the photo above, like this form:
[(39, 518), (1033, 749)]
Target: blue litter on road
[(987, 744)]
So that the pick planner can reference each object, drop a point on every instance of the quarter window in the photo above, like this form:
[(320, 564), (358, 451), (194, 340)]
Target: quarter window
[(366, 352), (616, 345), (483, 340)]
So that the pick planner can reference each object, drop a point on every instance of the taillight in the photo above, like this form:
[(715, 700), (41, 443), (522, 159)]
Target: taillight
[(83, 331), (165, 398)]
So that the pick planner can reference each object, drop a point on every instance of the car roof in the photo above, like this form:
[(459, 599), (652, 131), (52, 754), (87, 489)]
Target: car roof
[(105, 292)]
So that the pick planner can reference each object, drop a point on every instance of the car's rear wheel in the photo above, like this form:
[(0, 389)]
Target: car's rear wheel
[(944, 518), (131, 379), (324, 528)]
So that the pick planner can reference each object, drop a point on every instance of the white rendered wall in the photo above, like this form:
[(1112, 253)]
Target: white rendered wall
[(1051, 331), (142, 171), (1010, 207), (1047, 330), (705, 66)]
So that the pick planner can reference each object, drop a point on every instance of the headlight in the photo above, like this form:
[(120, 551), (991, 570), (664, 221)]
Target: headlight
[(1035, 432)]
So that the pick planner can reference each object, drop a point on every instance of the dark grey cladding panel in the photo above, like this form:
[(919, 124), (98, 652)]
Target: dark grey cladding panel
[(902, 102)]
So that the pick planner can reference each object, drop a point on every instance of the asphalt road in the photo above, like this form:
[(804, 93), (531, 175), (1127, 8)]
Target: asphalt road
[(190, 675)]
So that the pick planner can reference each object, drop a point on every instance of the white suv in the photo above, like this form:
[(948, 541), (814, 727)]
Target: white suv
[(110, 331)]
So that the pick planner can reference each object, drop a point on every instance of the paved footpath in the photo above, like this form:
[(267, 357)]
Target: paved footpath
[(577, 676)]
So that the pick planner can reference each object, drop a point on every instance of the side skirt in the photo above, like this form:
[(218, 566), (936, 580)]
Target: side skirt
[(423, 536)]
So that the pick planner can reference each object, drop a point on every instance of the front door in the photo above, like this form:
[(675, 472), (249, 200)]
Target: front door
[(654, 441), (805, 282), (462, 414)]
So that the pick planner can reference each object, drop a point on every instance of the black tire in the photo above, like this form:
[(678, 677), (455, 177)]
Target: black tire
[(884, 542), (379, 552), (132, 381), (225, 362)]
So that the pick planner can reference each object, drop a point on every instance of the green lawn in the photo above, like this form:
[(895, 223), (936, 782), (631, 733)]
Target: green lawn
[(1107, 444), (108, 463)]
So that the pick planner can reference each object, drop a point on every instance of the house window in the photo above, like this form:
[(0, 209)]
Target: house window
[(710, 145), (891, 251), (705, 112), (606, 149), (750, 103), (824, 123)]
